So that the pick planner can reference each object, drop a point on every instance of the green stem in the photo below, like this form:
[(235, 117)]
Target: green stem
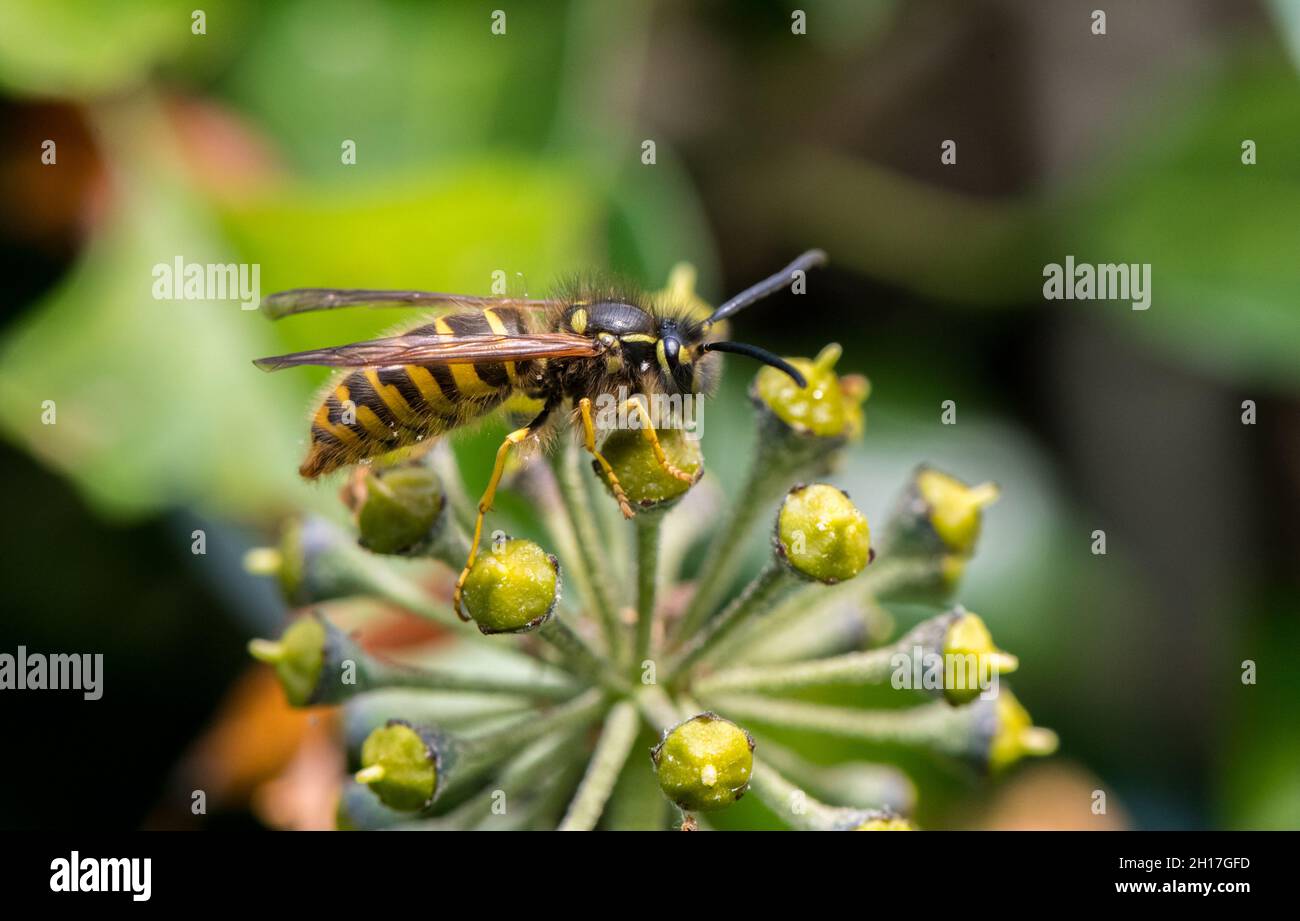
[(797, 807), (607, 761), (935, 726), (380, 675), (810, 601), (543, 488), (460, 712), (463, 509), (474, 756), (637, 803), (581, 657), (757, 598), (872, 667), (380, 580), (727, 550), (573, 490), (451, 543), (648, 528), (876, 666), (657, 709), (544, 811), (854, 783)]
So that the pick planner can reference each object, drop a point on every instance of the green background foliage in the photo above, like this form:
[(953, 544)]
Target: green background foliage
[(521, 153)]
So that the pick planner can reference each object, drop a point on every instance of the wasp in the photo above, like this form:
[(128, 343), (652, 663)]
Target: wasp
[(468, 355)]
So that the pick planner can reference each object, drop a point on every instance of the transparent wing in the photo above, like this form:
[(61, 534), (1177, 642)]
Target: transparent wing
[(306, 300), (438, 350)]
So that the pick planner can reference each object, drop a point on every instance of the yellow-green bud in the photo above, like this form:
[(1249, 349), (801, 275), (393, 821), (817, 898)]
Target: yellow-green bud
[(312, 561), (400, 764), (969, 644), (886, 821), (821, 534), (400, 508), (1016, 735), (953, 508), (704, 763), (297, 657), (827, 407), (644, 480), (286, 561), (513, 587)]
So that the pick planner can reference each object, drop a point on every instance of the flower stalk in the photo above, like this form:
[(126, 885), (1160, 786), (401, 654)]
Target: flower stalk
[(995, 733), (578, 503), (319, 664), (648, 528), (941, 640), (852, 783), (798, 808), (758, 597), (616, 739)]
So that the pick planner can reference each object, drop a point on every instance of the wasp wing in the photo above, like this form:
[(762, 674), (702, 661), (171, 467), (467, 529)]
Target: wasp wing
[(418, 349), (305, 300)]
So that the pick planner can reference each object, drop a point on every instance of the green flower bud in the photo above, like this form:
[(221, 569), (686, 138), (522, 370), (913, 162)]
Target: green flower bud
[(400, 764), (704, 763), (512, 588), (398, 509), (825, 408), (938, 515), (953, 508), (645, 482), (821, 534), (312, 562), (969, 645), (885, 821), (298, 658), (1014, 734)]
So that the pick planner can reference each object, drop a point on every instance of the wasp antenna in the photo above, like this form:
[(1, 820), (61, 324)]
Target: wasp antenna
[(769, 285), (763, 355)]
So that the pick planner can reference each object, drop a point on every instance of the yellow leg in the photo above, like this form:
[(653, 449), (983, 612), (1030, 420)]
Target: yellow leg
[(589, 439), (485, 506), (648, 432)]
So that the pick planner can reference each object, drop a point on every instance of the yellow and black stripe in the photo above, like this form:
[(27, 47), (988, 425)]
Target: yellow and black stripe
[(372, 411)]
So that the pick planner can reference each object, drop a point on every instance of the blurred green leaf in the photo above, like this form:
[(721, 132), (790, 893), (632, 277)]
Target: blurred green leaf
[(83, 48), (1221, 236), (411, 84)]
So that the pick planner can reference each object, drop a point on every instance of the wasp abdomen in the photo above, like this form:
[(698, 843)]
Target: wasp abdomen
[(372, 411)]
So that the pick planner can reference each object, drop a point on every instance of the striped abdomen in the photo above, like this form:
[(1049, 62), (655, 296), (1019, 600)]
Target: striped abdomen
[(372, 411)]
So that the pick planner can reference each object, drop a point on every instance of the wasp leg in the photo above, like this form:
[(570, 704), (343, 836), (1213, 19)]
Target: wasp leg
[(485, 504), (649, 434), (589, 440)]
